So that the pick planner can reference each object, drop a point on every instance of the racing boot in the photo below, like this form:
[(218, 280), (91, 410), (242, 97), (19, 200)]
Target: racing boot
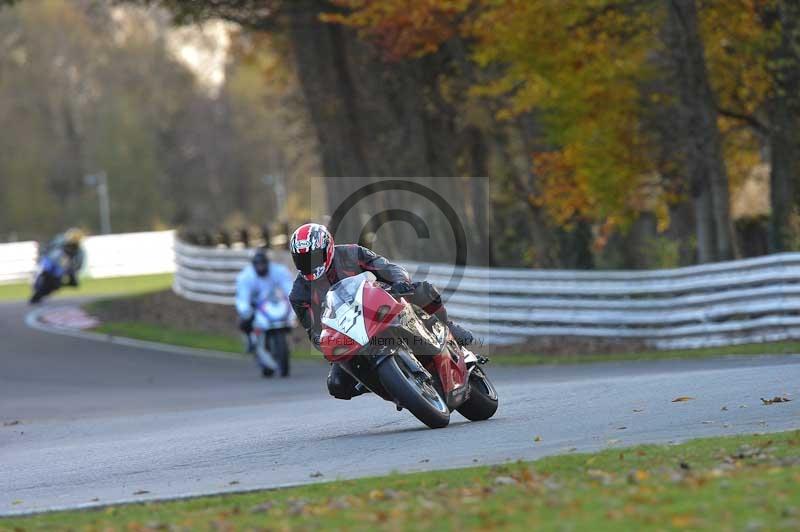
[(342, 385)]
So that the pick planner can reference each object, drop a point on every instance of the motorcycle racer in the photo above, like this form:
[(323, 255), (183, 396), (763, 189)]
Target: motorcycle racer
[(59, 263), (67, 248), (253, 284), (321, 264)]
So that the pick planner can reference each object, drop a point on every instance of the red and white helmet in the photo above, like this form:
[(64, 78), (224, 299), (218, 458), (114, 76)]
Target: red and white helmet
[(311, 247)]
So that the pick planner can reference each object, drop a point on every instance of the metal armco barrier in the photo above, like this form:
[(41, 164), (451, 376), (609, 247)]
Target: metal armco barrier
[(746, 301)]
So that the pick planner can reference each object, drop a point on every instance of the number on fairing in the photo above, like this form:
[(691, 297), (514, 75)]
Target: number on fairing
[(349, 319)]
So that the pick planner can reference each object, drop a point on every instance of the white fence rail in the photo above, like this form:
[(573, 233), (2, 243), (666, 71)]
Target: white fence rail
[(106, 256), (744, 301), (130, 254), (17, 261)]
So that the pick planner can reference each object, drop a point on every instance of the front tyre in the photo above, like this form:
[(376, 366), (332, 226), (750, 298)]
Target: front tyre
[(279, 347), (414, 393), (482, 402), (43, 286)]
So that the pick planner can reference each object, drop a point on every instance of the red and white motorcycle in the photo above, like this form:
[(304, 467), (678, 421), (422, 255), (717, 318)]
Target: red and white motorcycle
[(403, 354)]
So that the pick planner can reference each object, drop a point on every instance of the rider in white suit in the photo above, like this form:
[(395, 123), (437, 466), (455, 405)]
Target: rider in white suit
[(254, 283)]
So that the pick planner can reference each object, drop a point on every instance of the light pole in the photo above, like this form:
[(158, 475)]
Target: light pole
[(100, 182)]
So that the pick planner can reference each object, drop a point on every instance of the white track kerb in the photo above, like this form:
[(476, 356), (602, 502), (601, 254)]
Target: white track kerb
[(33, 320)]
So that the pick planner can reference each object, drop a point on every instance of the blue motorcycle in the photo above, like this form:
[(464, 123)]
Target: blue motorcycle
[(274, 320), (53, 267)]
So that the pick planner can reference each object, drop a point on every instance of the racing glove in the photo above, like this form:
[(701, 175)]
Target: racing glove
[(246, 325), (403, 288)]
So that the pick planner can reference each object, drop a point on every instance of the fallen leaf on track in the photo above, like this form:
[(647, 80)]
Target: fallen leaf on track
[(682, 399), (537, 438), (776, 399)]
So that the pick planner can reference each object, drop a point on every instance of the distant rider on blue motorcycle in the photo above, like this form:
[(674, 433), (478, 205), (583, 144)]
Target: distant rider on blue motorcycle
[(253, 284), (60, 262)]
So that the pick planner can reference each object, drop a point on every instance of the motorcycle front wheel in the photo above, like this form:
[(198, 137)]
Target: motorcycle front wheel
[(43, 286), (414, 393), (279, 347)]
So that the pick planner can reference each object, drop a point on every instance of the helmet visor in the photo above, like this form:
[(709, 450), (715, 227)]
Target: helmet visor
[(308, 262)]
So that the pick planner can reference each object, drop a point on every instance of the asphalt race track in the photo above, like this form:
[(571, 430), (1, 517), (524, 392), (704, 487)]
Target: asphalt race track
[(89, 423)]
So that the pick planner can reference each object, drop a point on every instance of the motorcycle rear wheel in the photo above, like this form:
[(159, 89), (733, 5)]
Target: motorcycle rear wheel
[(413, 393), (482, 402)]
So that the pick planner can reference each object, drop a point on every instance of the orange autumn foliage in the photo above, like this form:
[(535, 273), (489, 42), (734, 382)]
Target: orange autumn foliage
[(402, 28)]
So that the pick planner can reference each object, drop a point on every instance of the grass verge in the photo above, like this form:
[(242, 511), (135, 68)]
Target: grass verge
[(130, 285), (731, 483), (169, 335), (772, 348), (233, 344)]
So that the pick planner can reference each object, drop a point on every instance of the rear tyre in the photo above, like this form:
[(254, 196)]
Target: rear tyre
[(482, 402), (414, 393)]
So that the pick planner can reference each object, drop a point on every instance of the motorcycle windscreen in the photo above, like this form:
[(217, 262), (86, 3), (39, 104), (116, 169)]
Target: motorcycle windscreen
[(344, 310), (274, 311)]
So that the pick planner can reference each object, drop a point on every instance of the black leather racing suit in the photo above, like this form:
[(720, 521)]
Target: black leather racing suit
[(307, 298)]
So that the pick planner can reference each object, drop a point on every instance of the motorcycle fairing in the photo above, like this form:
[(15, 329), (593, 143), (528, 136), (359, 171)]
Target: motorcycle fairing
[(453, 374), (353, 327), (430, 337), (350, 324), (275, 312)]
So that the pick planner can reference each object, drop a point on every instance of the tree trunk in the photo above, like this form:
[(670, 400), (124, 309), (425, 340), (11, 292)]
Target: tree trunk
[(704, 157), (782, 109), (376, 120), (704, 223)]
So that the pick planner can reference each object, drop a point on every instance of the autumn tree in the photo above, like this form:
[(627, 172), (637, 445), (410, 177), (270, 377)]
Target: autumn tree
[(85, 89)]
